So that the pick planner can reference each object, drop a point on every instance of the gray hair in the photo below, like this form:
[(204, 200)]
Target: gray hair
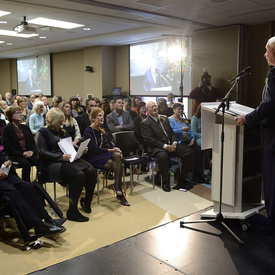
[(271, 42), (161, 102), (37, 104)]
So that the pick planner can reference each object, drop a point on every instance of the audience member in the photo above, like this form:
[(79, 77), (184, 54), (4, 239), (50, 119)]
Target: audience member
[(36, 120), (8, 98), (170, 99), (161, 142), (46, 104), (84, 119), (18, 142), (76, 109), (56, 165), (163, 109), (101, 152), (97, 100), (80, 98), (25, 113), (3, 106), (25, 199), (112, 104), (185, 138), (136, 100), (70, 125), (14, 102), (56, 100), (105, 106), (137, 121), (31, 102), (127, 107), (205, 92), (119, 120), (196, 125)]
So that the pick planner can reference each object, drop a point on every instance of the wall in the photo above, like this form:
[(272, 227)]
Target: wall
[(7, 76), (216, 49)]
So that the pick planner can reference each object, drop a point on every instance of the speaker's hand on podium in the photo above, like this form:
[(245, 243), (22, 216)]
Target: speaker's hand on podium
[(240, 120)]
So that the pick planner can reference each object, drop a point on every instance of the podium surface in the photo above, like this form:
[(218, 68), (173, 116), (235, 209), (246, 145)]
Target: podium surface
[(241, 183)]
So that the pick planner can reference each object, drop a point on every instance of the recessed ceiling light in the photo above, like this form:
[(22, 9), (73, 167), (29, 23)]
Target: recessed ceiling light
[(3, 22), (86, 29), (2, 13), (9, 44), (42, 37), (54, 23), (15, 34), (1, 42)]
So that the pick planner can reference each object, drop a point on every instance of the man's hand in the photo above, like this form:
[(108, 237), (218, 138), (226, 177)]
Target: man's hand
[(117, 127), (191, 143), (2, 175), (171, 148), (240, 120), (28, 154)]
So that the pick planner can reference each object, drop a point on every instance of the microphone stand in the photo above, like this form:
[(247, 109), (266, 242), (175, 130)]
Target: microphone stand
[(219, 217)]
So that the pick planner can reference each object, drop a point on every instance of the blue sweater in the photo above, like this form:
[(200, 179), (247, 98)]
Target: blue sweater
[(36, 122), (196, 128), (177, 128)]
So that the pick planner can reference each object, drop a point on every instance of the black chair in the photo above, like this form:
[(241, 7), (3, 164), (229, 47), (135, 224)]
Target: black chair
[(127, 142)]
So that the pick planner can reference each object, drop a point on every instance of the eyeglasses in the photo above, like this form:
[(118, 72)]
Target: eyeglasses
[(18, 113)]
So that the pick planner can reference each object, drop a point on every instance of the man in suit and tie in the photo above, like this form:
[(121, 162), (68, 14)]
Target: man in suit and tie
[(84, 119), (30, 103), (119, 119), (162, 144), (46, 104), (153, 78)]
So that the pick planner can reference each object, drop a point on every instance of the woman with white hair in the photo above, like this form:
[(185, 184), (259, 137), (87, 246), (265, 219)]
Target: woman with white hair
[(37, 120)]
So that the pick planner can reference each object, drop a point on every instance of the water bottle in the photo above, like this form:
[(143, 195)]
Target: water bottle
[(171, 178)]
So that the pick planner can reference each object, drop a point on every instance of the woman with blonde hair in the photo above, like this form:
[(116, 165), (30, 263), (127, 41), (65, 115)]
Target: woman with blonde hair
[(70, 124), (55, 165)]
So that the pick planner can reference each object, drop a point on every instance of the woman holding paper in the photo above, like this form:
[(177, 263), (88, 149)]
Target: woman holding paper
[(56, 166), (70, 124), (102, 153)]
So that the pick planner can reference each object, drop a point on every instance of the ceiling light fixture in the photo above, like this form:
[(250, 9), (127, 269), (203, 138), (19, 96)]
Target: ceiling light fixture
[(54, 23), (3, 13), (15, 34), (1, 42)]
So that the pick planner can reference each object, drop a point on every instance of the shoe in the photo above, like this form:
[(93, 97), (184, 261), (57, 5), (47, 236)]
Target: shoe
[(86, 208), (52, 222), (118, 192), (75, 215), (123, 200), (44, 229), (183, 186), (187, 180), (166, 187)]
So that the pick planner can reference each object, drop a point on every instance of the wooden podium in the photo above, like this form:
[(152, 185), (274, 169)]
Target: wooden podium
[(242, 181)]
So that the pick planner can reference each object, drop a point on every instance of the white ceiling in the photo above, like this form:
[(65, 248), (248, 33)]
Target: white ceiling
[(119, 22)]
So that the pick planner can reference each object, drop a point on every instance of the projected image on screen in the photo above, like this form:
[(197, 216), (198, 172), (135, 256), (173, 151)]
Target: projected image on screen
[(34, 75), (155, 68)]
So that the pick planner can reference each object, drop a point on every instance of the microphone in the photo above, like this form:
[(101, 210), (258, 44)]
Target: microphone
[(247, 70)]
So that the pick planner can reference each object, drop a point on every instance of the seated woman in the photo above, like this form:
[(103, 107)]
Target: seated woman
[(18, 142), (141, 109), (186, 138), (25, 199), (56, 166), (36, 120), (76, 108), (70, 124), (21, 101), (101, 152)]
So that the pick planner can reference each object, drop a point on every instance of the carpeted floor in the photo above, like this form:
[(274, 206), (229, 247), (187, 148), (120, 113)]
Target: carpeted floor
[(109, 222)]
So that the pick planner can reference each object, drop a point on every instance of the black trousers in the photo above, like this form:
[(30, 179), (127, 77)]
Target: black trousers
[(185, 153), (268, 174), (26, 200), (25, 164)]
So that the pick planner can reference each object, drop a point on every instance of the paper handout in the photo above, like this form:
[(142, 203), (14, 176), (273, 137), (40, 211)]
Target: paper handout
[(66, 146)]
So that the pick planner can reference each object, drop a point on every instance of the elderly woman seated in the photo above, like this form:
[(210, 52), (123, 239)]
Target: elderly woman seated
[(186, 138), (56, 166), (25, 200), (101, 152), (18, 142), (36, 120)]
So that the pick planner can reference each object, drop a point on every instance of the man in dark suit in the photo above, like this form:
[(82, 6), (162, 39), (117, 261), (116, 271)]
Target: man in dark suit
[(119, 120), (153, 78), (30, 103), (265, 114), (162, 144), (84, 119)]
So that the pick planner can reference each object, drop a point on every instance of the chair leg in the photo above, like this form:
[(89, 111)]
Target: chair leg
[(97, 183), (131, 178), (123, 173), (153, 174), (54, 188)]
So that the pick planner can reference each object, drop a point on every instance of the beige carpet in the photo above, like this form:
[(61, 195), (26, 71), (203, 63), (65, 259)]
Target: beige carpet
[(109, 222)]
